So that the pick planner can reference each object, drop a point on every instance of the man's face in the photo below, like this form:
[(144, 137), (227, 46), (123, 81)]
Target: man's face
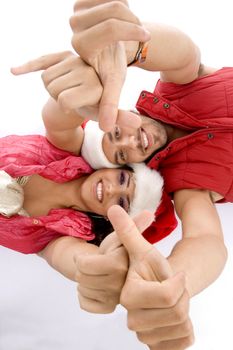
[(127, 144)]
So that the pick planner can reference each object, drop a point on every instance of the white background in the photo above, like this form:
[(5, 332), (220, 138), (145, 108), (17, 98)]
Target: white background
[(38, 307)]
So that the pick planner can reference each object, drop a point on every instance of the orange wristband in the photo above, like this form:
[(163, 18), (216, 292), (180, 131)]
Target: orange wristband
[(140, 54)]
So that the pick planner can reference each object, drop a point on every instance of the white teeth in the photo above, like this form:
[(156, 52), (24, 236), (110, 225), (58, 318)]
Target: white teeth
[(145, 140), (99, 191)]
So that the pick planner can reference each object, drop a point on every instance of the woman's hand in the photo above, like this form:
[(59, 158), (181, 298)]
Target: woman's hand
[(102, 276), (99, 29), (68, 79)]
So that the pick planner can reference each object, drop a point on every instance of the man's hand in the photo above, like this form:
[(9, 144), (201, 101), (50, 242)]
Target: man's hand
[(156, 299), (102, 276), (67, 78), (99, 28)]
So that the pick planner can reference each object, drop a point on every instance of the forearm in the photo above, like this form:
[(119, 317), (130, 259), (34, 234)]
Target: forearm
[(61, 254), (55, 119), (63, 130), (201, 258), (170, 51)]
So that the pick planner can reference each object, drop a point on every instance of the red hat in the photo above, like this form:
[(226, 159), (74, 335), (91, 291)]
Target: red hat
[(165, 221)]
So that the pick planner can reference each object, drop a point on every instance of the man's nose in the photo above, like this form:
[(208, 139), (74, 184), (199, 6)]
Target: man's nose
[(129, 141)]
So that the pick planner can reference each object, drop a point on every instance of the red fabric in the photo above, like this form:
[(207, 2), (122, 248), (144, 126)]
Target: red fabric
[(204, 158), (33, 154), (165, 221)]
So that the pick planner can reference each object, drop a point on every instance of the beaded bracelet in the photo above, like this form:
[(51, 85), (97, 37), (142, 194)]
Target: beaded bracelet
[(141, 53)]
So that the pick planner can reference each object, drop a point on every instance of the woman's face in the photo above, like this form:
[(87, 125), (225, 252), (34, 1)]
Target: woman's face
[(106, 187)]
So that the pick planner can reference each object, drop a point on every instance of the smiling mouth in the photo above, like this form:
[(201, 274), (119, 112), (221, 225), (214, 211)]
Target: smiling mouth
[(144, 139), (99, 191)]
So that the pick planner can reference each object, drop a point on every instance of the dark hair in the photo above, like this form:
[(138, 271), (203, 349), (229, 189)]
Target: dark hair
[(101, 228)]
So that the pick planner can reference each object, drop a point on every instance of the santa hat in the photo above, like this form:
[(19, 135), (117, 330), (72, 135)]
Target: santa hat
[(92, 149), (150, 195), (148, 189)]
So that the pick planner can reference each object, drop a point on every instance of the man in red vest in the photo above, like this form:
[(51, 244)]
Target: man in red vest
[(187, 133)]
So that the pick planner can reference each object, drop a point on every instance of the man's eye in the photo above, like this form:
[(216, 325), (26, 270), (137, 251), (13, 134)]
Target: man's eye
[(122, 156), (117, 132)]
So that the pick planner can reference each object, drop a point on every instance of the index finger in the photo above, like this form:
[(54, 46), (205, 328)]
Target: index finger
[(40, 63)]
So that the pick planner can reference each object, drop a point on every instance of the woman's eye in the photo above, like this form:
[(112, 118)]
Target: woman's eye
[(122, 178), (124, 204)]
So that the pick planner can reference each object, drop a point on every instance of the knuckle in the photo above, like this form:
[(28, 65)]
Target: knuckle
[(131, 322), (137, 20), (187, 328), (44, 77), (82, 303), (64, 102), (136, 28), (79, 289), (180, 313), (76, 43), (126, 298), (80, 4), (110, 25), (116, 7), (143, 337), (169, 298), (108, 308), (121, 269), (52, 89), (68, 53), (187, 341), (73, 21), (135, 321)]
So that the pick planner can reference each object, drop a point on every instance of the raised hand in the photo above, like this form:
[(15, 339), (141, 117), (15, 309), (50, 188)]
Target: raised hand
[(156, 300), (67, 78), (102, 276), (99, 29)]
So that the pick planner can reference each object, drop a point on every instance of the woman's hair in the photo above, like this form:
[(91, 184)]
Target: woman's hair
[(101, 227)]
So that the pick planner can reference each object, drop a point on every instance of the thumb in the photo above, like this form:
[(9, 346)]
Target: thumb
[(128, 231), (108, 108), (150, 261), (112, 241)]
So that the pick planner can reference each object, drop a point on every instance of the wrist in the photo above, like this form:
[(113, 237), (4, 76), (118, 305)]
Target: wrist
[(140, 55), (131, 48)]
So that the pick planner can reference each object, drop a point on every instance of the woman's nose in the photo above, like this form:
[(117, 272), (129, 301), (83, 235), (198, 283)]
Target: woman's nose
[(113, 189), (109, 189)]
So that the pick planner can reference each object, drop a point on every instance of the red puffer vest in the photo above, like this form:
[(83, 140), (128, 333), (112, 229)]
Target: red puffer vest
[(204, 158)]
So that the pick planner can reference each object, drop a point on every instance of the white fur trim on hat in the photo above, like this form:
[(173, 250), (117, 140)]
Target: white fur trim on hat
[(148, 189), (92, 150)]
